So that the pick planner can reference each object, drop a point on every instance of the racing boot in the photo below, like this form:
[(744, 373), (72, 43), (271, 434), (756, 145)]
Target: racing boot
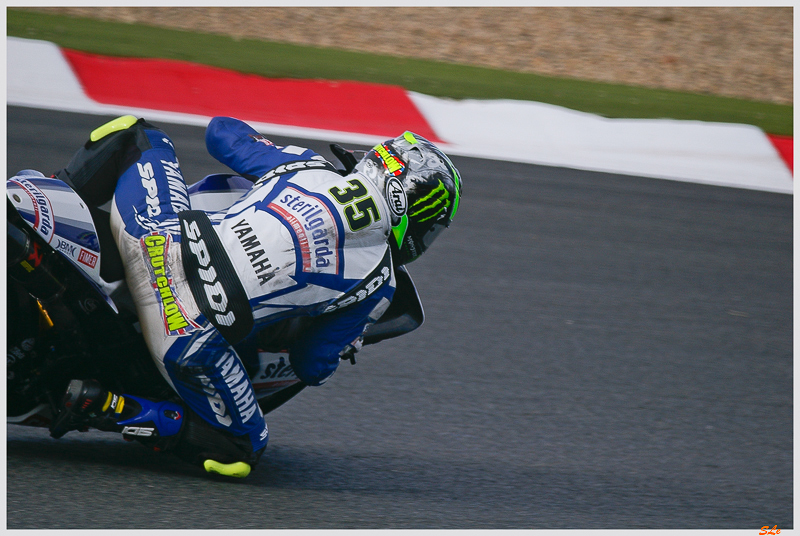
[(86, 404), (162, 426)]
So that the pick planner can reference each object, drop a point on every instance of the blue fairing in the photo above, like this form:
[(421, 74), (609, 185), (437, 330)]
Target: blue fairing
[(218, 192)]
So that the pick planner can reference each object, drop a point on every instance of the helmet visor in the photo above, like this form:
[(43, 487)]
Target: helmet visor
[(430, 236)]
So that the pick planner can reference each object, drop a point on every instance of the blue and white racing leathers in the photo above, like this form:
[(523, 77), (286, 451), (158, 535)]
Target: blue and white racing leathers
[(304, 241)]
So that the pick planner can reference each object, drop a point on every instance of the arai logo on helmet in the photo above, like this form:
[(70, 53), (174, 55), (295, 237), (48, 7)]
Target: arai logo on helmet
[(396, 197)]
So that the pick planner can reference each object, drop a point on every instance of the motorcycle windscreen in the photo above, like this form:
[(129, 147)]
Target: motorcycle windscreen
[(404, 315)]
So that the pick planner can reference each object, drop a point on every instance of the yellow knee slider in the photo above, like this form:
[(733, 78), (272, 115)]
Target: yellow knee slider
[(236, 470), (115, 125)]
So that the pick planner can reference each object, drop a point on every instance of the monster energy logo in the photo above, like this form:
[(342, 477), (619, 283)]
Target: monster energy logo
[(432, 205)]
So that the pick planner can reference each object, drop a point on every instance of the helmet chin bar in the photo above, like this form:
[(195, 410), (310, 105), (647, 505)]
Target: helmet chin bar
[(399, 230)]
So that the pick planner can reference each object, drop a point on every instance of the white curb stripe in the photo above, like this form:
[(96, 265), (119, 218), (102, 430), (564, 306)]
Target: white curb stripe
[(714, 153), (39, 75)]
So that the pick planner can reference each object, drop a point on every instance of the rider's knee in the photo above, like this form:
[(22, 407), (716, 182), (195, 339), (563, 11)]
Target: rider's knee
[(314, 372), (95, 168)]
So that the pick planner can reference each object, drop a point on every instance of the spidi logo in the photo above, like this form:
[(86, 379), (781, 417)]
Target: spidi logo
[(151, 187), (215, 293), (368, 286), (212, 279)]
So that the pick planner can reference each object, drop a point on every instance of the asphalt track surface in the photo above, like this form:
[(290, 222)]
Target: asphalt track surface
[(600, 351)]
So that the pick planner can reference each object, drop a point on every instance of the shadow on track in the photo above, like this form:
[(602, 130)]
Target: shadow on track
[(438, 493)]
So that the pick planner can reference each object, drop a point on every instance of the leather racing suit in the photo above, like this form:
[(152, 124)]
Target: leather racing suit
[(304, 241)]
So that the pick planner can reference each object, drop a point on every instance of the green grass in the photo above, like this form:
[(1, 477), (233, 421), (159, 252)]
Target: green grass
[(430, 77)]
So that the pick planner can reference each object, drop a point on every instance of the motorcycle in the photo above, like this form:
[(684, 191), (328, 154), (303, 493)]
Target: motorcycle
[(70, 314)]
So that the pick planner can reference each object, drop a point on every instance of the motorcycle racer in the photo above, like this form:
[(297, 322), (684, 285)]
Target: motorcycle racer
[(305, 241)]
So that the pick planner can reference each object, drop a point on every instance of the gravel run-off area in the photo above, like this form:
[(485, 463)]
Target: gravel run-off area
[(743, 52)]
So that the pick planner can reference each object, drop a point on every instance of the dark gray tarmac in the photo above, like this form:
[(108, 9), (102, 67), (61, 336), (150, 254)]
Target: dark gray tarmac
[(600, 351)]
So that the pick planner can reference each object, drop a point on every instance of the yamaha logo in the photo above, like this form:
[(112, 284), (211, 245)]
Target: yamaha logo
[(396, 197)]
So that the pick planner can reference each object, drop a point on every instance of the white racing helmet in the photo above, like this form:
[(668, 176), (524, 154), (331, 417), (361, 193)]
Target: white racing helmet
[(422, 188)]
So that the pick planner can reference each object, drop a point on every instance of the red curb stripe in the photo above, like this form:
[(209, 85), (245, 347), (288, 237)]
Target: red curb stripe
[(176, 86), (785, 147)]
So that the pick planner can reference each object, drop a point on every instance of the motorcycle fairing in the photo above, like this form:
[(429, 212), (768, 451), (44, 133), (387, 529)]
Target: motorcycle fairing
[(53, 209), (217, 192), (274, 373), (404, 315), (57, 214)]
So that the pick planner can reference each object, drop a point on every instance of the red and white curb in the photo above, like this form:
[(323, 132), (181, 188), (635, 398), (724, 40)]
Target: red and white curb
[(42, 75)]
